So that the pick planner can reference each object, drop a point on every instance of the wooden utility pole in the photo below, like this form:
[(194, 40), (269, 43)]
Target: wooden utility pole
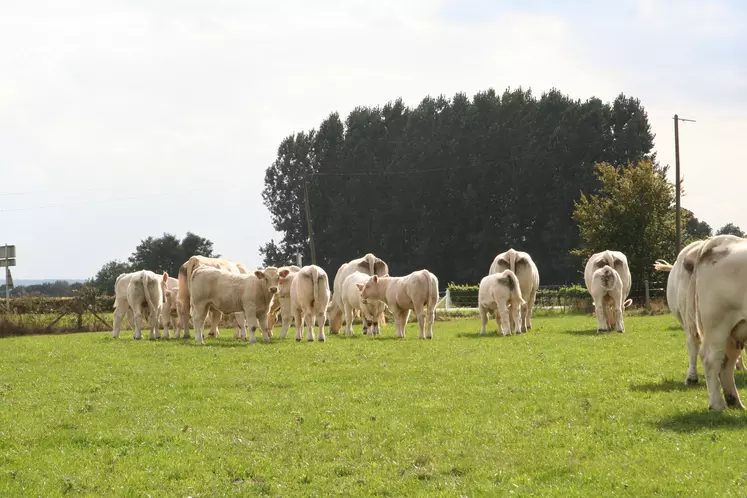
[(308, 220), (677, 119)]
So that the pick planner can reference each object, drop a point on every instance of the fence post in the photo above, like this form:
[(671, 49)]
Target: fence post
[(448, 299), (648, 297)]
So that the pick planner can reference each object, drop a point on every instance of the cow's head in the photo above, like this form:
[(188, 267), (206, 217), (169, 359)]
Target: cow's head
[(372, 309), (271, 276), (371, 288)]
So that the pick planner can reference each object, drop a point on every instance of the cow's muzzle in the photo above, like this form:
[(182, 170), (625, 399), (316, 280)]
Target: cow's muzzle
[(273, 290)]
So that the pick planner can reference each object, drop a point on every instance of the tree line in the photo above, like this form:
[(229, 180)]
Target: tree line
[(449, 184)]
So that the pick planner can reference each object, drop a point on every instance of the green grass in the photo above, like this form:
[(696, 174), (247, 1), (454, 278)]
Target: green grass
[(559, 411)]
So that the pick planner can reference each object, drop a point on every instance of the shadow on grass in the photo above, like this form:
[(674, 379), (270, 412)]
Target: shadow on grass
[(705, 419), (587, 332), (665, 386), (476, 335), (674, 385)]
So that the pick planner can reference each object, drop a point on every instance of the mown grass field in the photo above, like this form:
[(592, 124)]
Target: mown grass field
[(558, 411)]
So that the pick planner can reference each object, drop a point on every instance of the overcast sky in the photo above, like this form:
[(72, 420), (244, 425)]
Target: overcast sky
[(124, 119)]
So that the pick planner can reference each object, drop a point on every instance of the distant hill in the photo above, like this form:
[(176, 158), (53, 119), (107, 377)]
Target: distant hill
[(19, 283)]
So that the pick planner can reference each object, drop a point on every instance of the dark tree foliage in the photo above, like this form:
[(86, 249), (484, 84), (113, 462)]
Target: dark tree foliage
[(695, 229), (107, 275), (449, 184), (167, 253), (730, 229), (58, 288)]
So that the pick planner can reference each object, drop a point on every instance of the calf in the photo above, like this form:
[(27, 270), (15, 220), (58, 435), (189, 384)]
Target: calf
[(500, 294), (135, 293), (185, 274), (368, 264), (607, 292), (370, 309), (717, 312), (215, 289), (281, 302), (309, 298), (521, 265), (169, 315), (415, 291)]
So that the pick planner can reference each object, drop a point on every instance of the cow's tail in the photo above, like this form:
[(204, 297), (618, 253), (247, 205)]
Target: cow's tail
[(315, 283), (627, 303), (432, 290), (146, 283), (661, 265)]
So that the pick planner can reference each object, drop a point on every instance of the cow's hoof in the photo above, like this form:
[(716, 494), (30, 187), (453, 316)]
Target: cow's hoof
[(717, 407), (691, 381), (429, 337), (732, 401)]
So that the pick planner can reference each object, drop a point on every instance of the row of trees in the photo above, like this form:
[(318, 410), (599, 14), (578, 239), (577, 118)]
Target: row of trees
[(451, 183)]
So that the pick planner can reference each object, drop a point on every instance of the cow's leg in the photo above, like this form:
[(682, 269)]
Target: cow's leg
[(619, 323), (420, 315), (262, 321), (299, 323), (515, 312), (505, 327), (321, 317), (714, 348), (430, 317), (601, 315), (308, 317), (287, 318), (166, 319), (348, 319), (119, 313), (137, 316), (731, 395), (215, 317), (523, 312), (198, 317), (153, 324), (530, 308), (483, 319), (185, 319)]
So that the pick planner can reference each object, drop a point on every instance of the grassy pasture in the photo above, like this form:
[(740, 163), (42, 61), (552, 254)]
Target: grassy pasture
[(558, 411)]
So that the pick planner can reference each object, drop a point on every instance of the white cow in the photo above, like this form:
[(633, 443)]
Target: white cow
[(415, 291), (221, 290), (135, 293), (281, 301), (718, 290), (619, 263), (309, 298), (497, 292), (169, 312), (607, 292), (522, 265), (370, 309), (678, 284), (185, 273), (368, 264)]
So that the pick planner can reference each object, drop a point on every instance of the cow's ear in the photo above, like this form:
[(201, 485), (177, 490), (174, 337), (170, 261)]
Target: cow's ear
[(165, 276), (360, 286), (284, 272), (259, 274), (375, 278)]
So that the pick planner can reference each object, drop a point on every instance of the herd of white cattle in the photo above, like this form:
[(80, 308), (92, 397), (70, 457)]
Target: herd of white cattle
[(706, 292)]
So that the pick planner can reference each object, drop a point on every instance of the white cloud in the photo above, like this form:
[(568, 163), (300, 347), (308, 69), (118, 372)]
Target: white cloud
[(165, 96)]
